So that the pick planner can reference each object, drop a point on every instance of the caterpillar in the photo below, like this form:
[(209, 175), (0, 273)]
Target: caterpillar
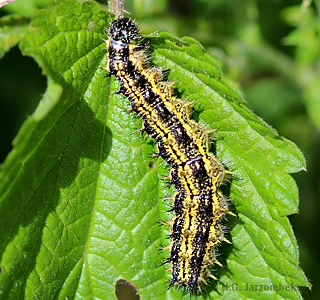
[(198, 204)]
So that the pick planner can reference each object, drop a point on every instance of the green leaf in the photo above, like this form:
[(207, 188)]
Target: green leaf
[(27, 8), (12, 29), (81, 196), (312, 94)]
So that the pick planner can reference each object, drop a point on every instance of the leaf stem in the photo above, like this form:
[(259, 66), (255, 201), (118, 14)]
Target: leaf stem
[(116, 7)]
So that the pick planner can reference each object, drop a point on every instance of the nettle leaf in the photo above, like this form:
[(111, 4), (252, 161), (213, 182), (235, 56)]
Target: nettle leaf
[(12, 29), (81, 195)]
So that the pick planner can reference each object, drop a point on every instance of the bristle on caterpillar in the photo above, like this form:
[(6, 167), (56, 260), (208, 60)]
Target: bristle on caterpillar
[(196, 174)]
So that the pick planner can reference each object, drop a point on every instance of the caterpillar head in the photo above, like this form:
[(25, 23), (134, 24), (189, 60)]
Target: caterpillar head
[(124, 30)]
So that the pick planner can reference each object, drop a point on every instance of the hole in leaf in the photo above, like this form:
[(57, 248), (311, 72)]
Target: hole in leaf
[(126, 290), (151, 165), (19, 95)]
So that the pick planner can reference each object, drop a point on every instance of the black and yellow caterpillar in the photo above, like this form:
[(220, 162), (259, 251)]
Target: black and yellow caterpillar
[(197, 174)]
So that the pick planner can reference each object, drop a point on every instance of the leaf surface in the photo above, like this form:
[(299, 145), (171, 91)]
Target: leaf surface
[(12, 29)]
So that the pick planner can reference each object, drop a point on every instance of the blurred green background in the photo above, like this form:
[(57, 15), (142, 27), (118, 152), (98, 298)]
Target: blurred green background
[(270, 49)]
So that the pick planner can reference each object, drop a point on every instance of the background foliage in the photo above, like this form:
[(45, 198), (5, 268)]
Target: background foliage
[(268, 48)]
